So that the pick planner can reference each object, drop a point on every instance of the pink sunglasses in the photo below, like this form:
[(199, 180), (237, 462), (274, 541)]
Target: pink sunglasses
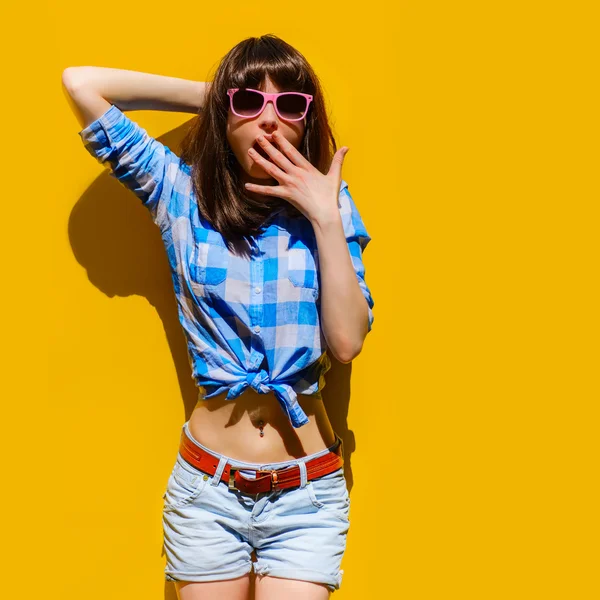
[(248, 103)]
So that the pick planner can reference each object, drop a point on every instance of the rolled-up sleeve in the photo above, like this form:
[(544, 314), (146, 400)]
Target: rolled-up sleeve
[(357, 238), (134, 158)]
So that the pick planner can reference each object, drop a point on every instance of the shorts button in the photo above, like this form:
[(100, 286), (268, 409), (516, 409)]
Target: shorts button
[(205, 477)]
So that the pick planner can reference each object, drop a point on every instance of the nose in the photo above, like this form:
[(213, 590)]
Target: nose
[(269, 113)]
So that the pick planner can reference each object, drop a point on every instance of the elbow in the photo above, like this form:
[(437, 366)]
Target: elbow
[(346, 353), (348, 350), (347, 345), (69, 78), (74, 78)]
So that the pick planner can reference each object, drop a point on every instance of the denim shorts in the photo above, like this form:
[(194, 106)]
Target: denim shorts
[(210, 531)]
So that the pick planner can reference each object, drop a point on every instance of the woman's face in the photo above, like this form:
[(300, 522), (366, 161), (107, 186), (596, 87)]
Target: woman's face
[(242, 134)]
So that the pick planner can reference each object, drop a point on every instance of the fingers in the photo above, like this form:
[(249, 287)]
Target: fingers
[(269, 167), (267, 190), (290, 150), (276, 156)]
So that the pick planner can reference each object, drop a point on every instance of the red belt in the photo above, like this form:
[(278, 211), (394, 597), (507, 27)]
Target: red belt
[(272, 479)]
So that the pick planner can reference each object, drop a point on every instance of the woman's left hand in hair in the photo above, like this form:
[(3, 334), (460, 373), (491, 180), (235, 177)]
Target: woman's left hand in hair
[(300, 183)]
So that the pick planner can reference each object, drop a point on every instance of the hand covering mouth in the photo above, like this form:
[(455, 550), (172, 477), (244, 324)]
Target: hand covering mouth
[(262, 151)]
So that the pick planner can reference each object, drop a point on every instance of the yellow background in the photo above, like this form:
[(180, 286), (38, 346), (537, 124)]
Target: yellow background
[(473, 136)]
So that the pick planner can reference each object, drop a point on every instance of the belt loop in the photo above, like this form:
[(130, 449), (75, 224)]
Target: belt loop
[(303, 478), (220, 468)]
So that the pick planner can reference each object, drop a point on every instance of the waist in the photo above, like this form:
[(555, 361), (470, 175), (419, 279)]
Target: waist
[(233, 427)]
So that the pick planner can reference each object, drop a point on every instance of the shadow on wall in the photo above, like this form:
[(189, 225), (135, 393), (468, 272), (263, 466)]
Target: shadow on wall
[(114, 238)]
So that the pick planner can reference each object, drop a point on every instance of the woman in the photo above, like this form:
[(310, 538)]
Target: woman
[(265, 245)]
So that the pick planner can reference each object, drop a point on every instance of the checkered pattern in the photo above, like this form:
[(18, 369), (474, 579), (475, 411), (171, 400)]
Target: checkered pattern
[(251, 318)]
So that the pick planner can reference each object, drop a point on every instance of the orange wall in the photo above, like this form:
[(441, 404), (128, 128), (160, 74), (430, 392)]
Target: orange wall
[(473, 136)]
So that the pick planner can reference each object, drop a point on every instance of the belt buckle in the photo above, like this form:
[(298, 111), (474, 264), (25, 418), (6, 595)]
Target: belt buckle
[(274, 480), (232, 472)]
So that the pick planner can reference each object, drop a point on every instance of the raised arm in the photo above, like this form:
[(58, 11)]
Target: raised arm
[(147, 167), (92, 90)]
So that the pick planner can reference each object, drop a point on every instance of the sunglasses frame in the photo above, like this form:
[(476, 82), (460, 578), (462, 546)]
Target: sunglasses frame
[(268, 98)]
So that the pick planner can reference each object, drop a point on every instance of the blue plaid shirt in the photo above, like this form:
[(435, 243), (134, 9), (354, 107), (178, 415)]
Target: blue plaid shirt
[(251, 320)]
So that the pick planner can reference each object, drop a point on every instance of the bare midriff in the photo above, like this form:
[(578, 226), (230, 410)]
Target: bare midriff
[(233, 427)]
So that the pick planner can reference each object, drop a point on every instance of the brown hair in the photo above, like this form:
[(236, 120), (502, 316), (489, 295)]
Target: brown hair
[(215, 170)]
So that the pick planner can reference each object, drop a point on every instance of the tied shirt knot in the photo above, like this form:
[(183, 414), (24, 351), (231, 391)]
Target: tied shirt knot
[(285, 394)]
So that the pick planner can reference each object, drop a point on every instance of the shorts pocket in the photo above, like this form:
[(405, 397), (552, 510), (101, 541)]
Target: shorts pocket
[(183, 487), (330, 493), (302, 264), (209, 263)]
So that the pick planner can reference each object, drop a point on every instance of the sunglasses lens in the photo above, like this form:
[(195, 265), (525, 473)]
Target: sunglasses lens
[(292, 106), (247, 103)]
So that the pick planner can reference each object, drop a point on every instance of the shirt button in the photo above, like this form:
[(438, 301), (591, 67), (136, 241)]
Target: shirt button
[(257, 329), (257, 290)]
